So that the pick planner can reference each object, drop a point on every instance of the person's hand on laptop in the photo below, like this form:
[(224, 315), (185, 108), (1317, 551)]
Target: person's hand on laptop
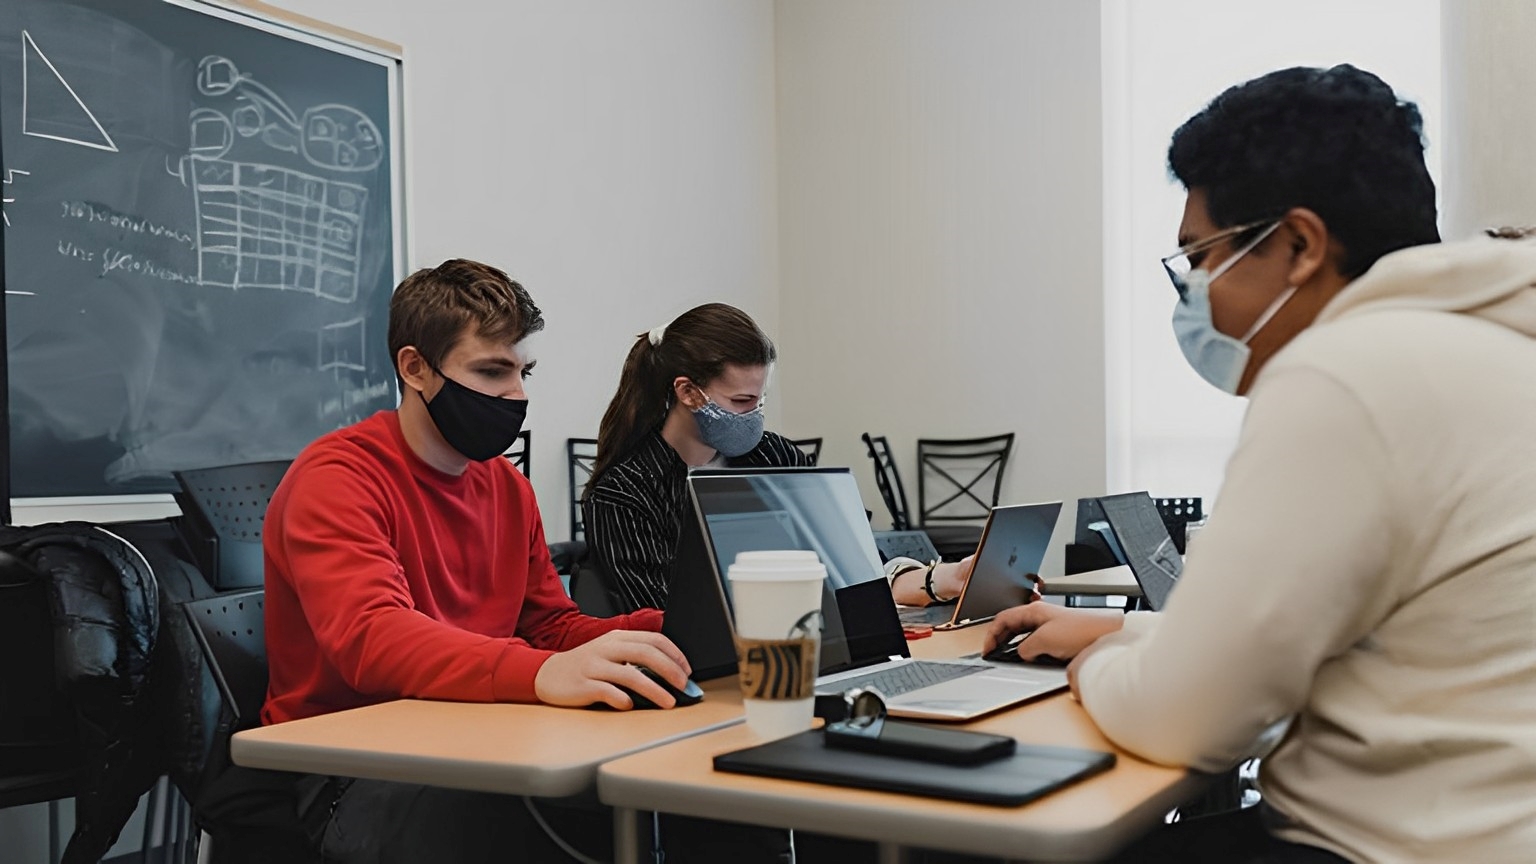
[(593, 672), (1055, 631)]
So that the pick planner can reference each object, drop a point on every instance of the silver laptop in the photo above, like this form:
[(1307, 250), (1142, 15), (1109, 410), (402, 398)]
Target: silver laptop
[(862, 642), (1012, 546)]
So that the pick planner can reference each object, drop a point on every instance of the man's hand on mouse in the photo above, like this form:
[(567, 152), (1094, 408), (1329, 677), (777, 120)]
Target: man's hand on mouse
[(1059, 632), (595, 671)]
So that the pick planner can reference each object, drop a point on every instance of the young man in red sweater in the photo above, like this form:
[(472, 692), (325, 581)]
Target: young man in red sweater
[(406, 559)]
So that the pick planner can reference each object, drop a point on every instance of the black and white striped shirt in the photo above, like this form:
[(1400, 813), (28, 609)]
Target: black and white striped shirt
[(634, 513)]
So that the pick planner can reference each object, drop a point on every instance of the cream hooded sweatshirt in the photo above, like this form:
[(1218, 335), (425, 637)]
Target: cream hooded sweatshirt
[(1369, 570)]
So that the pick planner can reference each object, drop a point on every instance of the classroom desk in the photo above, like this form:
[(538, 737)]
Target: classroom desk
[(511, 749), (1111, 580), (1086, 821)]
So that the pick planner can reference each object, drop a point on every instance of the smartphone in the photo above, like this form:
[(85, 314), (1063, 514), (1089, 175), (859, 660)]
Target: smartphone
[(920, 741)]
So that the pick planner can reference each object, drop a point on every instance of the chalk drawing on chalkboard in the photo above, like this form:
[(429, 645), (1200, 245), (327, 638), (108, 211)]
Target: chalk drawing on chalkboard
[(334, 136), (10, 177), (341, 137), (46, 112), (212, 133), (344, 346), (262, 226)]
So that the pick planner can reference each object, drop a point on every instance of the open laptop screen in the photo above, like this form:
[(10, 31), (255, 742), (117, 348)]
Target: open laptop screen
[(819, 510), (1144, 541)]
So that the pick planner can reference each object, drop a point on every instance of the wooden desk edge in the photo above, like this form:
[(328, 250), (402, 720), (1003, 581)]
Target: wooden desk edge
[(251, 749), (937, 830)]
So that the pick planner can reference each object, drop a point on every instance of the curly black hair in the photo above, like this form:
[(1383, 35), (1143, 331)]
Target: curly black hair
[(1336, 141)]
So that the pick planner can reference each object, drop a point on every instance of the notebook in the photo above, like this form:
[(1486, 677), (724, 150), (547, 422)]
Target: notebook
[(1013, 544), (862, 643), (1141, 538)]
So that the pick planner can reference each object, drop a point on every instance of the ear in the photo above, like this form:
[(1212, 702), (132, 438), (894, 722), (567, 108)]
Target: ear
[(1309, 245), (414, 369), (686, 393)]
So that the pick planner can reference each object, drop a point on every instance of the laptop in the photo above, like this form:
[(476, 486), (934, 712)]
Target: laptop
[(1142, 541), (862, 642), (1012, 546)]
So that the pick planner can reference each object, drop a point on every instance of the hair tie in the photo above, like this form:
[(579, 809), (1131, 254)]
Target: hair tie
[(655, 335)]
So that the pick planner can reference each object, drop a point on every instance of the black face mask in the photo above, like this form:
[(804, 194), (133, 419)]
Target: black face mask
[(480, 427)]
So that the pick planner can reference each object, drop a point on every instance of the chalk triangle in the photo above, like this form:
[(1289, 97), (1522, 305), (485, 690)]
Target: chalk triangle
[(50, 108)]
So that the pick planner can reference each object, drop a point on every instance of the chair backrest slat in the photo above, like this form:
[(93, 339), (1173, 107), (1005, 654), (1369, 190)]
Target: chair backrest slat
[(581, 458), (811, 447), (888, 481), (960, 479), (521, 453)]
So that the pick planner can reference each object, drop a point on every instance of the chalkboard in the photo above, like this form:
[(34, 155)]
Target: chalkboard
[(201, 234)]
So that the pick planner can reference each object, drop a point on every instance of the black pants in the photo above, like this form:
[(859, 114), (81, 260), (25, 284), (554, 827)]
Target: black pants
[(377, 822), (1234, 837)]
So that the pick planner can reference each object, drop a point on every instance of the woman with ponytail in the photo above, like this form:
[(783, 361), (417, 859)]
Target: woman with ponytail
[(691, 395)]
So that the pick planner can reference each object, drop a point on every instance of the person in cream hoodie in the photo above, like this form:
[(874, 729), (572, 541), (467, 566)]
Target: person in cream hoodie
[(1368, 572)]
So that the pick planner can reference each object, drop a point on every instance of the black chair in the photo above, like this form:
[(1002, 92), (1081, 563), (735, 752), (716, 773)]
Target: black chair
[(810, 446), (229, 630), (888, 481), (521, 451), (581, 458), (222, 513), (591, 590), (958, 483), (954, 536)]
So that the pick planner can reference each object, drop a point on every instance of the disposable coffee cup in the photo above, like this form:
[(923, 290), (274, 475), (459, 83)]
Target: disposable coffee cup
[(777, 600)]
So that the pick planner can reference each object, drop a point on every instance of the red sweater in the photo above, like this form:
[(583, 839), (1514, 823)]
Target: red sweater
[(387, 578)]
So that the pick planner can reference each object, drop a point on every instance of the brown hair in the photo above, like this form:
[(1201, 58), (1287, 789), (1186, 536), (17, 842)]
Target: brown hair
[(431, 309), (697, 345)]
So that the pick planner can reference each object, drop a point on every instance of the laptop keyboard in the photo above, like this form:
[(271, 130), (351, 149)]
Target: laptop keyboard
[(907, 677)]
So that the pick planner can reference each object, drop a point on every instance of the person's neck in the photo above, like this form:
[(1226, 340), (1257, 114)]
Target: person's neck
[(1297, 315), (422, 437), (681, 432)]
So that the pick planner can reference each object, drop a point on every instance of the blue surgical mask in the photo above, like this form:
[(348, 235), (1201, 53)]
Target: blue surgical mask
[(1215, 356), (729, 433)]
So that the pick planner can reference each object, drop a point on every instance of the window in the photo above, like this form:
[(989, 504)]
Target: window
[(1167, 431)]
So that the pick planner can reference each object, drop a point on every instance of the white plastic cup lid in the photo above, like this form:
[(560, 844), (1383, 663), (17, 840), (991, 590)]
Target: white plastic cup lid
[(776, 555), (777, 571)]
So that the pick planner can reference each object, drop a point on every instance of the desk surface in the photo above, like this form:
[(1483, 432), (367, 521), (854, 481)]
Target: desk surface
[(513, 749), (1111, 580), (1085, 821)]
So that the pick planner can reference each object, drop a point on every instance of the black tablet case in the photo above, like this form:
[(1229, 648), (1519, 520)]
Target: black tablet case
[(1032, 772)]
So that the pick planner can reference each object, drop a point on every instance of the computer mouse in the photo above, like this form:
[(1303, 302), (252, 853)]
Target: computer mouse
[(1009, 653), (689, 695)]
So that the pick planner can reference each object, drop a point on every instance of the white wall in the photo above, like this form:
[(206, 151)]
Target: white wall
[(1490, 175), (617, 158), (939, 225)]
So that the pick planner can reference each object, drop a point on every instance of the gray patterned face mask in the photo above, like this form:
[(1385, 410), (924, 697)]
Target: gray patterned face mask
[(729, 433)]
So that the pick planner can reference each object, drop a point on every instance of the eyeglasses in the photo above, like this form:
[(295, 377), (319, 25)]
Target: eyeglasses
[(755, 409), (1179, 264)]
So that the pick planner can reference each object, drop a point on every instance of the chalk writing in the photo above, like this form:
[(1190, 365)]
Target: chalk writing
[(91, 212)]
